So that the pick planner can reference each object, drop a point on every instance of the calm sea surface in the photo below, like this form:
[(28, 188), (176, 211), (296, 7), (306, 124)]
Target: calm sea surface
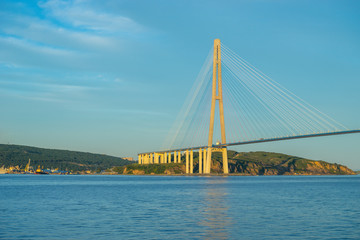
[(178, 207)]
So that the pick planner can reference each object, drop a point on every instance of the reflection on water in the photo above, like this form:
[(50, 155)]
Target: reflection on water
[(216, 208)]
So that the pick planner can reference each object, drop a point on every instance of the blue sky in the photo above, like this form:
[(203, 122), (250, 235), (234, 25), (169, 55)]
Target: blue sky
[(110, 76)]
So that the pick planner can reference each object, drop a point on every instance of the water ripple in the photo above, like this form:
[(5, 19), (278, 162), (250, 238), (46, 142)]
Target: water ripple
[(163, 207)]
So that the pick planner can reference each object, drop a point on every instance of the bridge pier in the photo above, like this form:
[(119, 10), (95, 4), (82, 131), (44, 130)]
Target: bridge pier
[(191, 161), (155, 160), (204, 160), (200, 161), (187, 161), (208, 160), (225, 160)]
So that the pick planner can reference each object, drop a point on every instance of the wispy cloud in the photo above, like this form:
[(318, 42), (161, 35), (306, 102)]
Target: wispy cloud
[(72, 29), (50, 92), (65, 52), (43, 32), (22, 43), (78, 14)]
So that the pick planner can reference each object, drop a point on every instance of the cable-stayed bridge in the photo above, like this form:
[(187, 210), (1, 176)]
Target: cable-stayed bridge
[(254, 107)]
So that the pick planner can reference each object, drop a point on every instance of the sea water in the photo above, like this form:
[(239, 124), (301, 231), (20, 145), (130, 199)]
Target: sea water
[(179, 207)]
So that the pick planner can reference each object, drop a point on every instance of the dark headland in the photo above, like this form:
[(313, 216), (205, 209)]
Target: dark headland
[(240, 163)]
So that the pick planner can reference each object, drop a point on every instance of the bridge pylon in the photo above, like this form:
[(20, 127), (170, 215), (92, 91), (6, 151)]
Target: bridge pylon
[(216, 96)]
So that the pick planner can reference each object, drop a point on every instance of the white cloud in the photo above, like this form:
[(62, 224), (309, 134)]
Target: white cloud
[(68, 51), (44, 32), (79, 14), (68, 35), (49, 92), (40, 49)]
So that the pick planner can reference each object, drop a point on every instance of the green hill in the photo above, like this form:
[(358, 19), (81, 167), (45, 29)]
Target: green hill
[(247, 163), (267, 163), (16, 155)]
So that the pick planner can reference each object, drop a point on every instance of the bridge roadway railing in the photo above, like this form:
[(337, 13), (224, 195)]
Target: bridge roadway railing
[(174, 155)]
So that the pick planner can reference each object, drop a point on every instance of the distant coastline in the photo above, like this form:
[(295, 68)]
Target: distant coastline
[(16, 159)]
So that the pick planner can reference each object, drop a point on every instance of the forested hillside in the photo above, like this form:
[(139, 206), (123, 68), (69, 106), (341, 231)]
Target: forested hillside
[(16, 155)]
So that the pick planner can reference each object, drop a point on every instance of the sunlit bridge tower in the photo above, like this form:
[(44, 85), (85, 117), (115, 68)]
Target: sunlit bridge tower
[(217, 96), (204, 151)]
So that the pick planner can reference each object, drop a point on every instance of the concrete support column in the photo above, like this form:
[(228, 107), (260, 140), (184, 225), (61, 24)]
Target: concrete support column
[(200, 161), (204, 160), (151, 158), (139, 159), (187, 161), (191, 161), (165, 157), (169, 159), (179, 157), (208, 161), (175, 157), (225, 161), (162, 160)]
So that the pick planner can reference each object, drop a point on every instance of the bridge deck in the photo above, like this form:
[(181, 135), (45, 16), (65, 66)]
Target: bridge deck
[(264, 140)]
